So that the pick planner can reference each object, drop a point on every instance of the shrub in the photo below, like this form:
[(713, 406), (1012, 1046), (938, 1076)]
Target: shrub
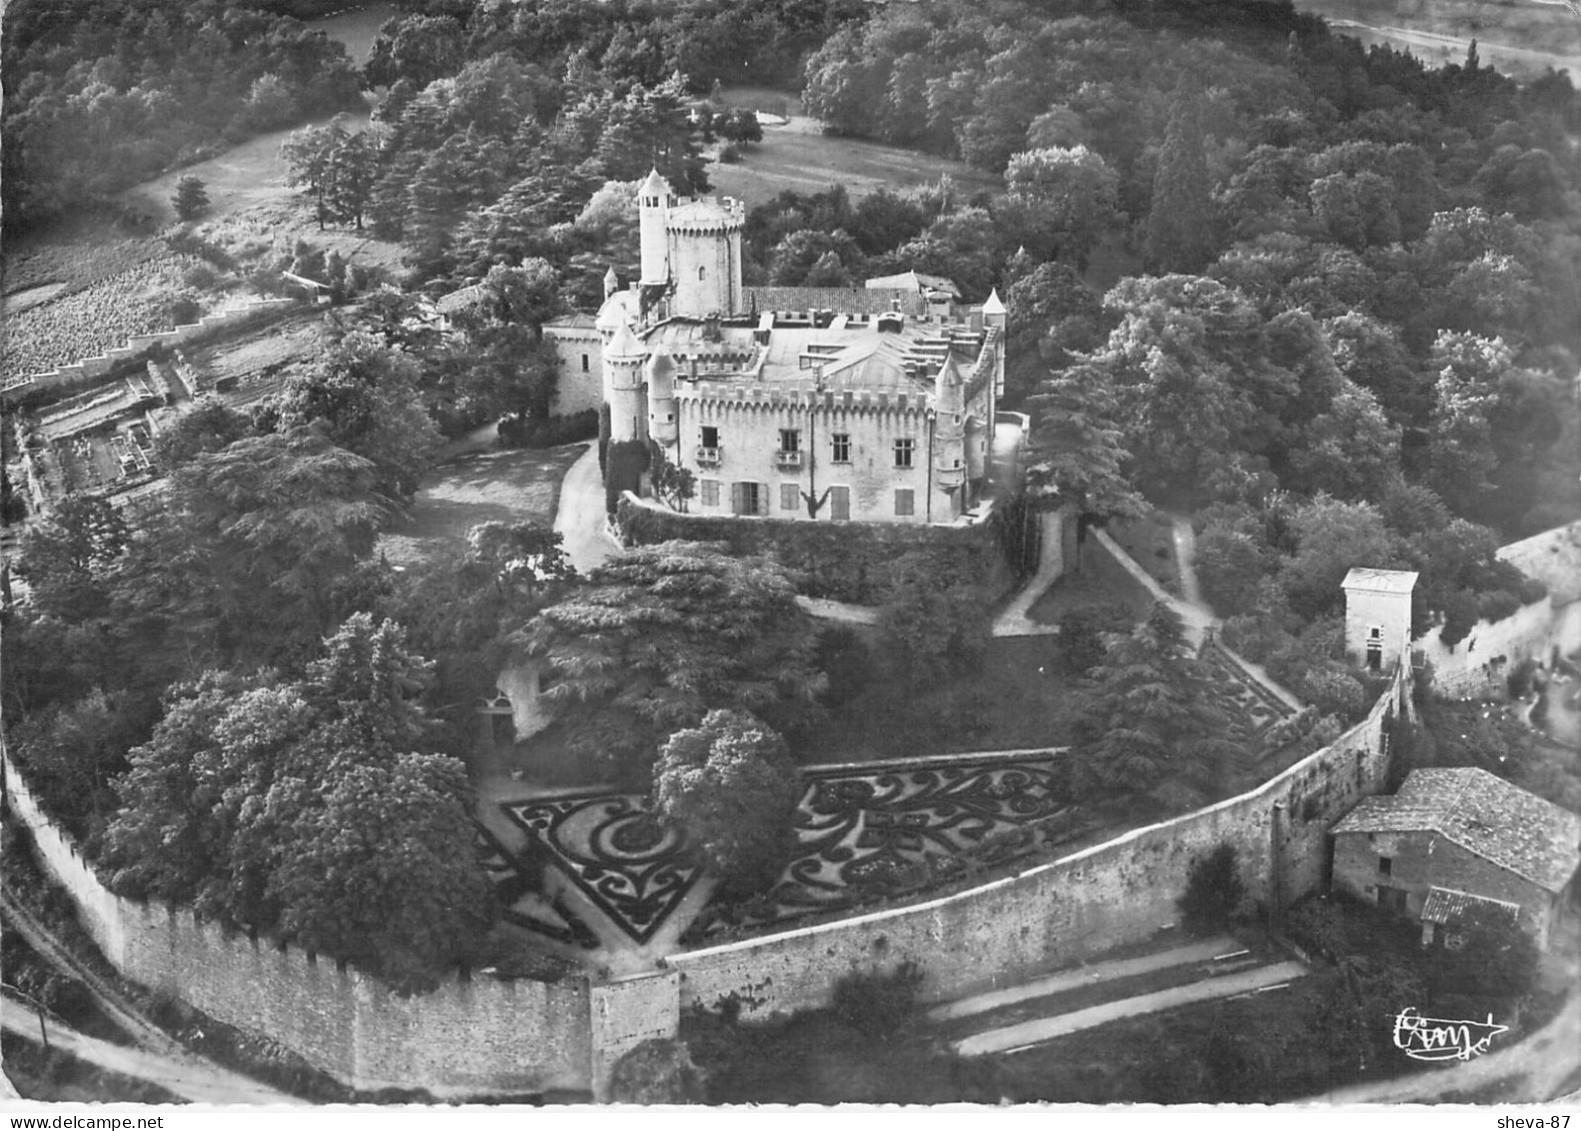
[(1520, 679), (879, 1006), (1213, 892)]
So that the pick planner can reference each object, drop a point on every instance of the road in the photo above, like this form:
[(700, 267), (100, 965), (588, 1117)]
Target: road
[(176, 1066), (189, 1078), (579, 519)]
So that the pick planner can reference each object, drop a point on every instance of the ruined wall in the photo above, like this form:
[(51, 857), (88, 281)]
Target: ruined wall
[(1066, 911), (1480, 663), (467, 1038)]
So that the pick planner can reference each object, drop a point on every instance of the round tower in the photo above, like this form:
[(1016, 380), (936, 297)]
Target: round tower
[(704, 250), (653, 205), (624, 358), (949, 426), (660, 373), (611, 283)]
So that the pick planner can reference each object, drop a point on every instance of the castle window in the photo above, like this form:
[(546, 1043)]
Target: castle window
[(1386, 865), (905, 503), (585, 363), (790, 440), (710, 436), (710, 491), (701, 274), (903, 452), (790, 497), (842, 447)]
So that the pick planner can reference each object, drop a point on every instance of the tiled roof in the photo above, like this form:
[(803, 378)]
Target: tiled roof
[(1484, 814), (841, 300), (462, 299), (1448, 906), (576, 321), (1380, 580), (915, 281)]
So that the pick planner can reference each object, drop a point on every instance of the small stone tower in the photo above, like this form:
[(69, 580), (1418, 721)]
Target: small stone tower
[(624, 357), (611, 283), (1378, 616)]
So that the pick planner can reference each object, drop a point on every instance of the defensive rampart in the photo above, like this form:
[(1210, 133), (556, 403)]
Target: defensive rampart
[(1118, 892)]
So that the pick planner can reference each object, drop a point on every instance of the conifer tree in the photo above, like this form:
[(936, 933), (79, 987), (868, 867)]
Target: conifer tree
[(1180, 227)]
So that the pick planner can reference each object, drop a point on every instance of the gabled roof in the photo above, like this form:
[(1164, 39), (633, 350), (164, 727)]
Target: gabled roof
[(1485, 815), (916, 282), (462, 299)]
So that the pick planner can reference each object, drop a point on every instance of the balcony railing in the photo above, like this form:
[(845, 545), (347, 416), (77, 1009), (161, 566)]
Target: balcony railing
[(787, 459), (708, 457)]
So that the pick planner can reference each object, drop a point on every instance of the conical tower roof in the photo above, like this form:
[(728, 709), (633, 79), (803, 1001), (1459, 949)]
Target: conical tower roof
[(994, 305), (655, 185), (624, 344)]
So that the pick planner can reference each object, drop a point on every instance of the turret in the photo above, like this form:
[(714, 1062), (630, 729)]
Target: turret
[(994, 314), (654, 201), (660, 374), (611, 283), (949, 426), (624, 357)]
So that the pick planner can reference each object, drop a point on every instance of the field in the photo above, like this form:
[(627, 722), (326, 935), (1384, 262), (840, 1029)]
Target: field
[(799, 157), (504, 486), (64, 303)]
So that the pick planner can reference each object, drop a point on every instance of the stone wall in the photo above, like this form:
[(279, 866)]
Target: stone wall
[(38, 385), (1069, 910), (474, 1037), (1480, 664), (842, 561)]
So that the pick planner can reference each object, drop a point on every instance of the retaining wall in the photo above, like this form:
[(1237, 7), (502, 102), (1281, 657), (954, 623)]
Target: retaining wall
[(88, 368), (843, 561), (467, 1038), (1068, 910)]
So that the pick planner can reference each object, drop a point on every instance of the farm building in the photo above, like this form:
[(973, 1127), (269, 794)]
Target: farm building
[(805, 404), (1454, 841)]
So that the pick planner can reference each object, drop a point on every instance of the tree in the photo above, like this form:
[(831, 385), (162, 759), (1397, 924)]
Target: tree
[(1078, 453), (461, 609), (1061, 201), (731, 784), (662, 635), (247, 558), (1181, 226), (364, 396), (312, 809), (1331, 538), (335, 166), (69, 558), (1150, 728), (191, 197)]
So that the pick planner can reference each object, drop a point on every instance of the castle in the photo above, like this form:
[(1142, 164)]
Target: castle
[(810, 404)]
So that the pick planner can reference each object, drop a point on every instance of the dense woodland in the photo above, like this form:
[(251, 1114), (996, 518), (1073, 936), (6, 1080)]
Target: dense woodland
[(1345, 327)]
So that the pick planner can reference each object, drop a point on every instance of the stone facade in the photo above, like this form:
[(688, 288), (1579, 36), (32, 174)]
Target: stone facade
[(807, 414), (1378, 616)]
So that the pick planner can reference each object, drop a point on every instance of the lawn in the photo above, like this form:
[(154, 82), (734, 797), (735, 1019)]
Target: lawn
[(800, 157), (1020, 699), (1101, 580), (501, 486), (1151, 543)]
